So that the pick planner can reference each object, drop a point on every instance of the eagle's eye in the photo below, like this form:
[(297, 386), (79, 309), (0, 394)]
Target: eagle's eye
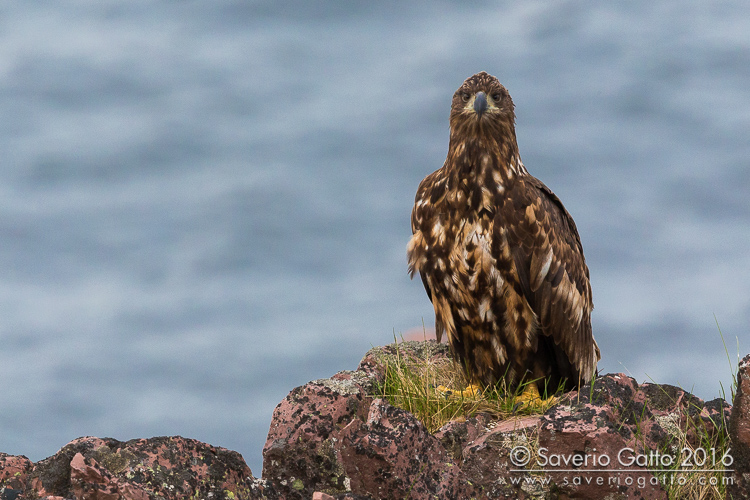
[(465, 96), (496, 97)]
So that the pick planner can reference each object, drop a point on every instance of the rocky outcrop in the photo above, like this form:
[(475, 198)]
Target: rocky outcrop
[(336, 438), (91, 468)]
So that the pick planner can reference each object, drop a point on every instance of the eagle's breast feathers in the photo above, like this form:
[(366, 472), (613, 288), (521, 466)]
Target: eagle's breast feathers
[(499, 255)]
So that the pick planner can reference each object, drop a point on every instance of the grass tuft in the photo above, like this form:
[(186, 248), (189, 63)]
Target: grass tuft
[(411, 383), (732, 367), (703, 452)]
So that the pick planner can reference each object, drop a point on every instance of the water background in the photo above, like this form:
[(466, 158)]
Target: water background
[(206, 204)]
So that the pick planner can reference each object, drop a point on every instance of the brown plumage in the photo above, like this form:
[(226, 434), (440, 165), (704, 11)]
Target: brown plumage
[(499, 255)]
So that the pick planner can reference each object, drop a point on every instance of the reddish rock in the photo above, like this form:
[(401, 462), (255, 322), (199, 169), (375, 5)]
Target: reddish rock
[(618, 414), (739, 433), (167, 467), (486, 459), (650, 408), (14, 472), (456, 434), (332, 437), (579, 450), (391, 455), (300, 453), (90, 481)]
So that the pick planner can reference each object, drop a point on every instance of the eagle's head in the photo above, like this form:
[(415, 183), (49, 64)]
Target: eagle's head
[(482, 108)]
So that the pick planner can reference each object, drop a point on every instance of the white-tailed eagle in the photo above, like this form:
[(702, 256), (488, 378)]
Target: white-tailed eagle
[(499, 255)]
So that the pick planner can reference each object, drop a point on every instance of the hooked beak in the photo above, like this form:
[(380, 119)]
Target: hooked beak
[(480, 103)]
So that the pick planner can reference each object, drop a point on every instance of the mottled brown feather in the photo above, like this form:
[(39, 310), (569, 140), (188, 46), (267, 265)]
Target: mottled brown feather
[(498, 254)]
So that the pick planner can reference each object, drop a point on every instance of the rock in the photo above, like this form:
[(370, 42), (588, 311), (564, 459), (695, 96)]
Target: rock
[(333, 437), (590, 435), (88, 480), (617, 414), (14, 472), (739, 433), (91, 468), (391, 455), (300, 453), (486, 458), (456, 434)]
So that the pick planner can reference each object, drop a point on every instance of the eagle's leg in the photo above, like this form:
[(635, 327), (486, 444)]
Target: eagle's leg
[(531, 399), (470, 391)]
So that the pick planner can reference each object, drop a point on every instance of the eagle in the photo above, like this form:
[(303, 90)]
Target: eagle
[(500, 256)]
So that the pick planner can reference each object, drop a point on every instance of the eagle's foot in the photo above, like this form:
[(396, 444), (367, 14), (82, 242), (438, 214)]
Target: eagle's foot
[(471, 391), (531, 399)]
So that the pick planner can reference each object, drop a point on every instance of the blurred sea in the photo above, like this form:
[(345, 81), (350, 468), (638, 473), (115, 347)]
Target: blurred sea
[(206, 204)]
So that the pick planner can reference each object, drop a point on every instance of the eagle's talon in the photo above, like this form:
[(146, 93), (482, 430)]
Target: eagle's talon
[(470, 392), (531, 399), (444, 391)]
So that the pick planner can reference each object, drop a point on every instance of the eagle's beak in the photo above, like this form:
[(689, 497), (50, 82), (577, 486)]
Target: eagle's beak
[(480, 103)]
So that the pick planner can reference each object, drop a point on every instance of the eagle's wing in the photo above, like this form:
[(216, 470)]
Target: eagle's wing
[(430, 193), (551, 270)]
